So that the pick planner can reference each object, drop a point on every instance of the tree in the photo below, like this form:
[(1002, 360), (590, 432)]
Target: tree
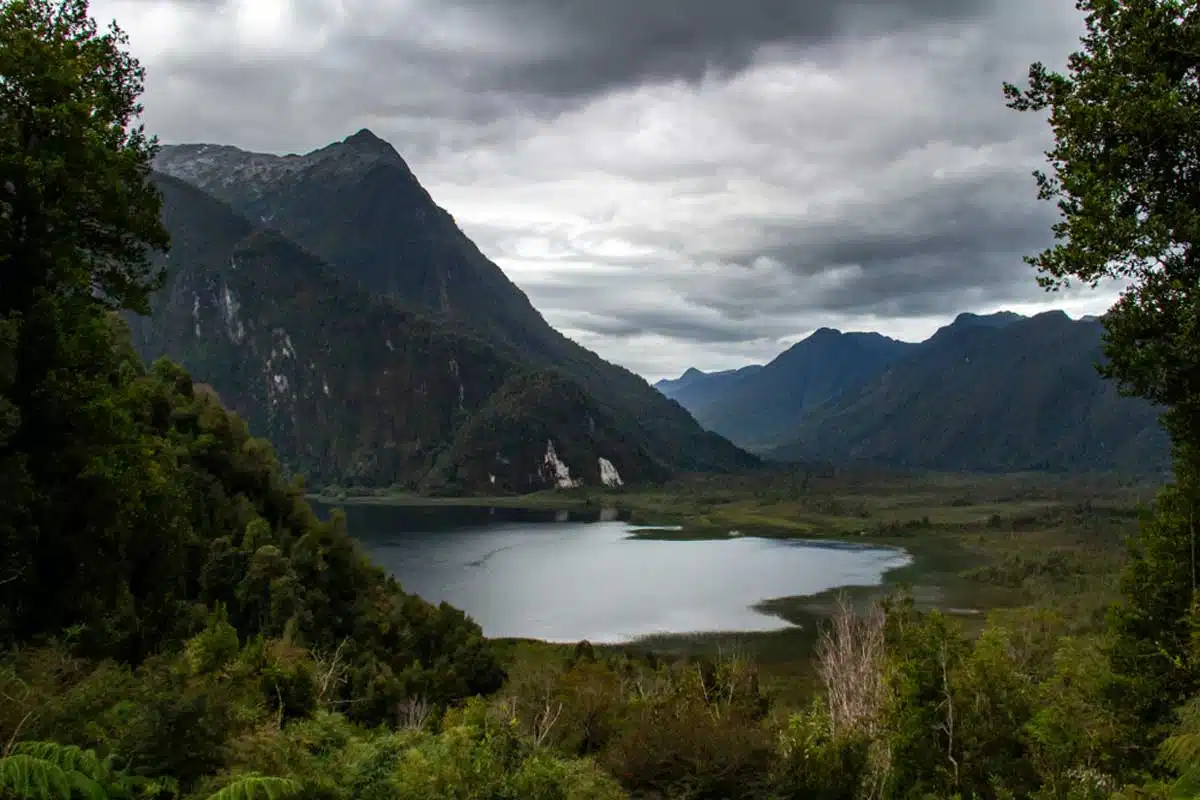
[(78, 216), (79, 221), (1126, 179)]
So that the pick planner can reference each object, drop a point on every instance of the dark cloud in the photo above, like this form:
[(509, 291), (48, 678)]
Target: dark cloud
[(583, 47), (692, 325), (673, 182)]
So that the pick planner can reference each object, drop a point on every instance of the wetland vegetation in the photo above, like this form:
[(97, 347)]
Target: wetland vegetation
[(978, 543)]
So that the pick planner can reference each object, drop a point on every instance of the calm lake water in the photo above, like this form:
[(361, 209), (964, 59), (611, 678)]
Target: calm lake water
[(558, 577)]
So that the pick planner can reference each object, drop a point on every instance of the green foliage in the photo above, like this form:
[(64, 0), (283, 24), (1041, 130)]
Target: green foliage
[(25, 776), (1154, 625), (78, 223), (50, 771), (815, 761), (209, 637), (79, 218), (136, 495), (1124, 118), (257, 787)]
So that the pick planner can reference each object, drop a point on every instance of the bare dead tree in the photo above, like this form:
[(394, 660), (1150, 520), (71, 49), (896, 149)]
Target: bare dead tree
[(947, 726), (850, 664), (14, 576), (12, 740), (331, 672), (544, 720), (413, 713)]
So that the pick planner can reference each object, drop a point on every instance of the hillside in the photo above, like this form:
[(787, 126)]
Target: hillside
[(696, 390), (985, 393), (357, 206), (758, 408), (350, 388)]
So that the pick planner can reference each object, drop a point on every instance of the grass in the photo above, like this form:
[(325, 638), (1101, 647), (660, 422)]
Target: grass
[(978, 543)]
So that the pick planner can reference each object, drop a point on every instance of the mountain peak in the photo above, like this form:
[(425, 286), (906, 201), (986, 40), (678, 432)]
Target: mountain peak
[(364, 138), (363, 145), (996, 319), (825, 333)]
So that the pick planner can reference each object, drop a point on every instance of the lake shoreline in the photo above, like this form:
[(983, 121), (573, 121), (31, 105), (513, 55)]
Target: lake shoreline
[(976, 543), (565, 577)]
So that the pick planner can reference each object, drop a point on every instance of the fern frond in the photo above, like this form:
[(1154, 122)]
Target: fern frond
[(1181, 750), (1188, 786), (69, 757), (258, 787), (33, 778)]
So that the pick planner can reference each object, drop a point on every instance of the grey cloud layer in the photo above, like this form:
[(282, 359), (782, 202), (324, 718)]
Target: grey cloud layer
[(582, 47), (672, 181)]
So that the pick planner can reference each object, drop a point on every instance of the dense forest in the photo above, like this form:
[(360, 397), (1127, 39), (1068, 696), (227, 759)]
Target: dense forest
[(177, 623)]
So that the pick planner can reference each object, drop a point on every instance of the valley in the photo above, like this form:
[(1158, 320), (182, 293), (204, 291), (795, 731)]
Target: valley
[(977, 544), (302, 498)]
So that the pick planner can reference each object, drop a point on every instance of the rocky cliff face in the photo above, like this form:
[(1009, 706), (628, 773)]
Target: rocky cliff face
[(357, 206), (352, 389)]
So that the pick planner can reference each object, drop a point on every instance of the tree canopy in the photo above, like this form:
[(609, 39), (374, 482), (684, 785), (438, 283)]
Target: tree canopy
[(78, 216), (1125, 175)]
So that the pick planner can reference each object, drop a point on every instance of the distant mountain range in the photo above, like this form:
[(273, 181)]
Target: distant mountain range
[(343, 314), (991, 393)]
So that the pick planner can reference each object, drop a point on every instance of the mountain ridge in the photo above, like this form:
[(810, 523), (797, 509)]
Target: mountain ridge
[(756, 406), (359, 389), (984, 393), (355, 207)]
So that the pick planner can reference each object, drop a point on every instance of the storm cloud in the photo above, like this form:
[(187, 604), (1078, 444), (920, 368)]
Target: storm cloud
[(673, 182)]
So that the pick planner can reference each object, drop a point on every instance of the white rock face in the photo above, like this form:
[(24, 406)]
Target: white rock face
[(560, 473), (280, 388), (609, 475), (229, 310)]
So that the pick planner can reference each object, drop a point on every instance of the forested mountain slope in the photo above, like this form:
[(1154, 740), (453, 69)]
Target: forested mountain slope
[(350, 388), (991, 393), (357, 206)]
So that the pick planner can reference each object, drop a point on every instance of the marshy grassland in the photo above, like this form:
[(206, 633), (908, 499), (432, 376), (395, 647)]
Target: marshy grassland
[(979, 543)]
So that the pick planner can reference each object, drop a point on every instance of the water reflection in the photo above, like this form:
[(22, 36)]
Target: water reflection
[(550, 575)]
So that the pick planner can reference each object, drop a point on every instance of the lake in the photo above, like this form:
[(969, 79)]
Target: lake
[(565, 577)]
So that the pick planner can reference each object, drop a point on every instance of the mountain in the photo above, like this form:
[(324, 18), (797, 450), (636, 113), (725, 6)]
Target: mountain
[(694, 389), (757, 407), (356, 205), (349, 387), (984, 393), (1020, 395)]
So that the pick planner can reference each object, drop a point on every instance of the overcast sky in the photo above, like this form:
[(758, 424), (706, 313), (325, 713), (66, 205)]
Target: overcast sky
[(673, 182)]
